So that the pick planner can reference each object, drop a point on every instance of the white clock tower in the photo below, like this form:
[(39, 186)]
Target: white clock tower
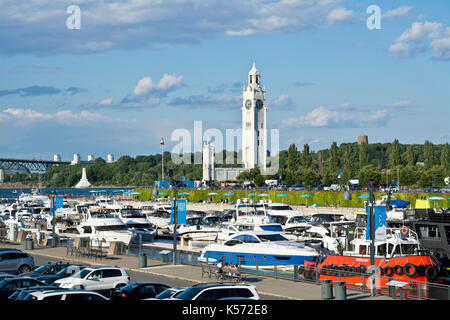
[(254, 132)]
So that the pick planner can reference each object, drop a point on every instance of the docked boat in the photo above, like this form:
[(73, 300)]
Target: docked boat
[(262, 248), (399, 257), (102, 228), (196, 229), (109, 203), (135, 220)]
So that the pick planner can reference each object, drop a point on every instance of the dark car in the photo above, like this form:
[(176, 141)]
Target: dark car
[(9, 286), (139, 291), (64, 273), (45, 269), (22, 293)]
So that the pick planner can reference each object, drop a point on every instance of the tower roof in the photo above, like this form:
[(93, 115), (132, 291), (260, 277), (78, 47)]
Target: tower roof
[(253, 70)]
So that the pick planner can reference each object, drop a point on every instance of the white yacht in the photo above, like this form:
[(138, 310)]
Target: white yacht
[(109, 203), (196, 229), (135, 220), (262, 248), (103, 228)]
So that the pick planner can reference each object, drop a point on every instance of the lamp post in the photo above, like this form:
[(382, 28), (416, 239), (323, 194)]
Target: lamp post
[(53, 217), (175, 215)]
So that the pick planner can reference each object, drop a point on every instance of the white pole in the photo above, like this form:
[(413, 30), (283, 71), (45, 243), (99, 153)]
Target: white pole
[(162, 168)]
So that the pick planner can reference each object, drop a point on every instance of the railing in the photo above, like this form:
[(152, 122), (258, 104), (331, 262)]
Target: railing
[(413, 290)]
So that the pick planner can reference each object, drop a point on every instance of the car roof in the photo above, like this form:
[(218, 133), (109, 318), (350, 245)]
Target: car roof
[(102, 267), (62, 291), (225, 284)]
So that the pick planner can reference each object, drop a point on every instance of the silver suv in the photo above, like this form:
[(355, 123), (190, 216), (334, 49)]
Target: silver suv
[(15, 261), (71, 295)]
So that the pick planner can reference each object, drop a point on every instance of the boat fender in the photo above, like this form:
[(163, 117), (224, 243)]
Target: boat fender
[(398, 269), (388, 271), (410, 270), (346, 267), (431, 272), (358, 270), (404, 230), (352, 269), (363, 268), (421, 270)]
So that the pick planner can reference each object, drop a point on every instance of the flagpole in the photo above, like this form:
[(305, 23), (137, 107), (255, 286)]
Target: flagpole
[(162, 154)]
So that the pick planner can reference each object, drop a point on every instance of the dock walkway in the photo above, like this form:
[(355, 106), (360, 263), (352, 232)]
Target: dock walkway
[(278, 288)]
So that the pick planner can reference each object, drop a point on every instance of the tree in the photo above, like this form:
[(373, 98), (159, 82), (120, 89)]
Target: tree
[(348, 171), (410, 156), (306, 157), (428, 153), (363, 155), (445, 158), (394, 155), (369, 173), (293, 158), (334, 158)]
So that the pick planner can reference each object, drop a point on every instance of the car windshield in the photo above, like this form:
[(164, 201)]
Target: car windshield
[(42, 268), (272, 237), (165, 294), (117, 227), (82, 273), (189, 293), (130, 286)]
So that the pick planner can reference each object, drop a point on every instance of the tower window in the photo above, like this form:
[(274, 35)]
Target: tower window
[(257, 80), (261, 125), (250, 79)]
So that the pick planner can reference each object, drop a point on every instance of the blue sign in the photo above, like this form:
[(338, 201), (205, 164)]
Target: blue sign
[(59, 203), (280, 176), (379, 222), (181, 212), (339, 175)]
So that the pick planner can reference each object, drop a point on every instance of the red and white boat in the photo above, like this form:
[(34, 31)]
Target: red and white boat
[(397, 258)]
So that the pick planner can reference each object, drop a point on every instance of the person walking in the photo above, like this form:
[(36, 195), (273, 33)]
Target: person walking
[(38, 236)]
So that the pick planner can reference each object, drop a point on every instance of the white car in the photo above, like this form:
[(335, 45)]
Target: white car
[(96, 278), (70, 295)]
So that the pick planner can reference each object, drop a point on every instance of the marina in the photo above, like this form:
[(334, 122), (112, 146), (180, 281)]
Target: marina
[(312, 247)]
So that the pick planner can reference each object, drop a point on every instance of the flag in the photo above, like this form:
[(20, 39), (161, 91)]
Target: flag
[(379, 214), (181, 212), (162, 142)]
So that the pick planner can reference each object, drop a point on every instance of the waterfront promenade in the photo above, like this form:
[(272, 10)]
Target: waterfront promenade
[(276, 288)]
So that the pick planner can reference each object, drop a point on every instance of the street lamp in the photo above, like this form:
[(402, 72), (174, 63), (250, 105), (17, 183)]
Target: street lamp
[(175, 214)]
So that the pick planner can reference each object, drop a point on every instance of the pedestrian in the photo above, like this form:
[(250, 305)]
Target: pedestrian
[(29, 236), (38, 236)]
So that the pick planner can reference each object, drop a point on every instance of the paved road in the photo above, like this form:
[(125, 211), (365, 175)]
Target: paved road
[(142, 276)]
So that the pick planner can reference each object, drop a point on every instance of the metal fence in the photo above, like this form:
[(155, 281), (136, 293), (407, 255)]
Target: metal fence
[(360, 281)]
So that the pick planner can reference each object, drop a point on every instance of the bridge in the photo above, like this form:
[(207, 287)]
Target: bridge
[(28, 165)]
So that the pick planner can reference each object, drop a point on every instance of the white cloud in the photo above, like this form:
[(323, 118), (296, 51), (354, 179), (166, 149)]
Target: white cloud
[(155, 24), (107, 101), (419, 36), (167, 82), (340, 15), (401, 11), (66, 117), (347, 116)]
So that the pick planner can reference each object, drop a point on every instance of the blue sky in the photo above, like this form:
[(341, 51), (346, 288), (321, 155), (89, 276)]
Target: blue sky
[(138, 70)]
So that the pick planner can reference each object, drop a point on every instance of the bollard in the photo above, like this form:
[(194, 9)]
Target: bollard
[(340, 290), (28, 244), (327, 289), (142, 260)]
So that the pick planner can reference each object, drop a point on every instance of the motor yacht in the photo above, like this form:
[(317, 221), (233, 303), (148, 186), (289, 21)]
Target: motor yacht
[(262, 248), (137, 221), (102, 227)]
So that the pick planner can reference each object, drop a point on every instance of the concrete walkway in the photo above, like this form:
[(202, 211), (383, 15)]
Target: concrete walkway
[(280, 288)]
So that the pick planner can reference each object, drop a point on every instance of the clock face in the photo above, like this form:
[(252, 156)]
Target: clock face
[(248, 104), (259, 104)]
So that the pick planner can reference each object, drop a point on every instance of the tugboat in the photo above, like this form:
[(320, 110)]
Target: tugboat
[(399, 257)]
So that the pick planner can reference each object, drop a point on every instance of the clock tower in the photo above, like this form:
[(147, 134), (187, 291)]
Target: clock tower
[(254, 142)]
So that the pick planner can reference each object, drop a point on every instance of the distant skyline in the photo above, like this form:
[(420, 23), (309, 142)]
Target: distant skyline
[(137, 70)]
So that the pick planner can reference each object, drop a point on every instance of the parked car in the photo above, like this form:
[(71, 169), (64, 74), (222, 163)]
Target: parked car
[(9, 286), (15, 261), (139, 291), (45, 269), (64, 273), (168, 293), (20, 294), (219, 291), (102, 279), (4, 275), (70, 295)]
